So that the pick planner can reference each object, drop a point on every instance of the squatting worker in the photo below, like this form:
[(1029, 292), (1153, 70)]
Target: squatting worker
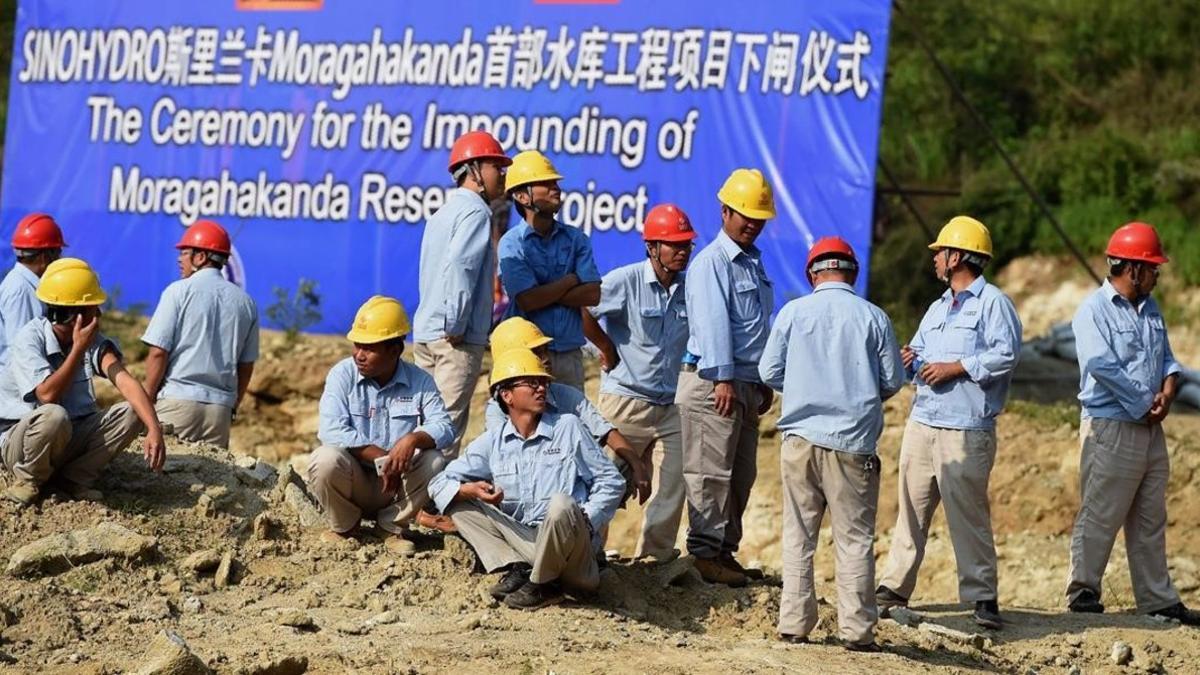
[(546, 267), (382, 423), (36, 243), (962, 359), (835, 358), (641, 344), (458, 265), (720, 395), (52, 431), (203, 341), (531, 496), (1128, 380)]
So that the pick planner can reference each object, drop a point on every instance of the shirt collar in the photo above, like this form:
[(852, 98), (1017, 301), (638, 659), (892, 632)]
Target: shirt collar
[(833, 286), (733, 250), (468, 194), (649, 277), (530, 232), (27, 274), (545, 427), (206, 271), (975, 289), (52, 346), (400, 377), (1114, 296)]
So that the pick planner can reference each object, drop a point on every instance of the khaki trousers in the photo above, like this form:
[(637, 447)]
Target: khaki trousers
[(46, 442), (559, 548), (1123, 475), (719, 463), (455, 370), (567, 368), (196, 421), (816, 478), (347, 489), (951, 466), (654, 432)]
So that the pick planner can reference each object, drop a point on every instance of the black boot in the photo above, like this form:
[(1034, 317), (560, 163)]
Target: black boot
[(987, 614), (1087, 602), (535, 596), (516, 577), (1179, 612)]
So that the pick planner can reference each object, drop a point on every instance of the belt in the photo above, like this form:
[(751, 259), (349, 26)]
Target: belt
[(687, 368)]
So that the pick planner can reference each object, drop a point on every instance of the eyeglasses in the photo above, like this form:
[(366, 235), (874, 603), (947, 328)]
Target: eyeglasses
[(532, 384)]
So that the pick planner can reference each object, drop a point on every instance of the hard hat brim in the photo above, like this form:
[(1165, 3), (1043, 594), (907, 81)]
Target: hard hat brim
[(366, 338), (96, 301), (531, 180)]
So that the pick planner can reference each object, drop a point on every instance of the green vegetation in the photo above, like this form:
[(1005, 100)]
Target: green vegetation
[(294, 312)]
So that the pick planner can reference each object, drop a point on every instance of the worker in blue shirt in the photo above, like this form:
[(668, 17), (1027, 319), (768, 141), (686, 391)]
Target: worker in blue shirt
[(382, 424), (203, 341), (546, 267), (834, 357), (52, 431), (962, 359), (641, 344), (36, 242), (457, 267), (720, 395), (531, 496), (1128, 380)]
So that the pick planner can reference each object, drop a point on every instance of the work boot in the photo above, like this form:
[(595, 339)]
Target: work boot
[(793, 639), (866, 647), (1179, 612), (1087, 602), (443, 524), (714, 572), (534, 596), (398, 544), (22, 492), (987, 614), (516, 577), (732, 563), (886, 598)]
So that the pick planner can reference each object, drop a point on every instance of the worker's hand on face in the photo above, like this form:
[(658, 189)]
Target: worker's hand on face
[(939, 373), (609, 358), (454, 340), (725, 398), (483, 491), (154, 450), (397, 464), (84, 334), (907, 356), (767, 397)]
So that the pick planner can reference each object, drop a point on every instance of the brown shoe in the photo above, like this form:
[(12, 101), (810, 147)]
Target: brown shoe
[(749, 572), (443, 524), (22, 492), (714, 572)]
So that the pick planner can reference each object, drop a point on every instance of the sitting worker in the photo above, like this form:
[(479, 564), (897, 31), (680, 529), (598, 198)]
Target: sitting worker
[(382, 423), (51, 429), (519, 333), (203, 341), (530, 496)]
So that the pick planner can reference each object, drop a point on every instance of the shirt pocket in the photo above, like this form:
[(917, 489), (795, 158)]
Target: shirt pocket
[(557, 475), (747, 301), (651, 323), (1126, 343), (962, 335), (402, 418)]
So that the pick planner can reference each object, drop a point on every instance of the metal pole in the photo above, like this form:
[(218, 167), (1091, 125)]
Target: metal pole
[(887, 173)]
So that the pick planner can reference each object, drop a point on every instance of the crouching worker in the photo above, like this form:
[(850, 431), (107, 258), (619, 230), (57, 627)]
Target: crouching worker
[(531, 495), (382, 423), (51, 429)]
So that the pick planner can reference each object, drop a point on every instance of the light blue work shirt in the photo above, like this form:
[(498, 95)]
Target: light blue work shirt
[(560, 398), (835, 358), (980, 328), (18, 305), (1123, 353), (355, 411), (529, 260), (207, 326), (35, 356), (648, 325), (729, 305), (559, 458), (457, 264)]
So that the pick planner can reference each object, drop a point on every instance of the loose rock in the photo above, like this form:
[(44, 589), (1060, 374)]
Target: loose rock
[(169, 655), (286, 665), (675, 571), (1121, 653), (61, 552), (224, 576), (972, 639), (203, 561)]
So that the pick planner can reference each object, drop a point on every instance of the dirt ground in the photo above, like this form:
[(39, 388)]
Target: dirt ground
[(364, 611)]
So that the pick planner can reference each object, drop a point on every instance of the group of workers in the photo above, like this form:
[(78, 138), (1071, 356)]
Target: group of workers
[(690, 361)]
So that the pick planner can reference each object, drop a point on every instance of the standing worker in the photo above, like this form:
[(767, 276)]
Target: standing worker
[(645, 313), (203, 341), (720, 395), (834, 357), (51, 428), (382, 423), (547, 267), (1128, 380), (458, 265), (962, 359), (37, 242)]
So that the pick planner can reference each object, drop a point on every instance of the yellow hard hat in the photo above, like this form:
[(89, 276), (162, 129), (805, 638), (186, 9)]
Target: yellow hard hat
[(748, 193), (380, 318), (528, 167), (516, 363), (70, 282), (517, 333), (966, 234)]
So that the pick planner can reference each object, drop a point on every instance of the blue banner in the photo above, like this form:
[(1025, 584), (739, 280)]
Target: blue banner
[(318, 131)]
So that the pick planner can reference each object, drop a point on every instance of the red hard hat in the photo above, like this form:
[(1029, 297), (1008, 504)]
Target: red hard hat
[(38, 230), (830, 247), (1136, 241), (667, 222), (205, 235), (477, 145)]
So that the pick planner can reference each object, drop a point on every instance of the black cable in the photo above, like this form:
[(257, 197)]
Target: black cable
[(887, 173)]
